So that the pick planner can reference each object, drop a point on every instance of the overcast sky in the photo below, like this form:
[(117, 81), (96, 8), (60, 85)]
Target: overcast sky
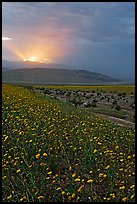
[(97, 36)]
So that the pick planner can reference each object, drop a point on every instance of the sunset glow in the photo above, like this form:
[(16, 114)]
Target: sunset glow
[(35, 59)]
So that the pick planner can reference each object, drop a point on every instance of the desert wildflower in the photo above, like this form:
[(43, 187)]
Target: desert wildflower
[(132, 196), (79, 190), (90, 181), (73, 175), (95, 150), (9, 197), (78, 198), (37, 156), (73, 195), (124, 199), (42, 164), (18, 171), (77, 179), (30, 141), (122, 187), (101, 174), (44, 154), (63, 192), (133, 186), (70, 168), (58, 188), (40, 197), (49, 172), (107, 167), (69, 198)]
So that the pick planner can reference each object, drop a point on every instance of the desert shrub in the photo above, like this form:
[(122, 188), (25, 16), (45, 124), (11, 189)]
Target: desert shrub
[(114, 102), (98, 94), (118, 107)]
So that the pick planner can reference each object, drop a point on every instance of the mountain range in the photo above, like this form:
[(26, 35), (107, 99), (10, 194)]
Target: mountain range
[(34, 72)]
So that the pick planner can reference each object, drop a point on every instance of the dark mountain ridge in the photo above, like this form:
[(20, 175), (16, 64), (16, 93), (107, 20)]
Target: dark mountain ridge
[(54, 75)]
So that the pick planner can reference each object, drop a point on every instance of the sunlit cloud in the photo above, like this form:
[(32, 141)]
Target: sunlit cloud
[(6, 38)]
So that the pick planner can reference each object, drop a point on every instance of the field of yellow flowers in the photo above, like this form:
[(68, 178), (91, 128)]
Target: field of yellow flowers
[(56, 152)]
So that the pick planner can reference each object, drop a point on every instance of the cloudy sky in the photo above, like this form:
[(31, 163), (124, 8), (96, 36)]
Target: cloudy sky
[(97, 36)]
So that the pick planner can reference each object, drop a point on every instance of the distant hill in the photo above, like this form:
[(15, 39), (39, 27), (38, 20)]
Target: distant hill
[(52, 75)]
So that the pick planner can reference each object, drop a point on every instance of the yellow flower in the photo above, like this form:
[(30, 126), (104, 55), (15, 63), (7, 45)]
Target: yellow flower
[(49, 172), (95, 150), (69, 198), (124, 199), (58, 188), (9, 197), (40, 197), (18, 170), (121, 169), (21, 199), (73, 195), (90, 181), (77, 179), (107, 167), (79, 190), (44, 154), (122, 187), (70, 168), (101, 174), (37, 156), (73, 175), (42, 164), (63, 192), (77, 198), (129, 157), (30, 141), (132, 196), (133, 186), (104, 175)]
